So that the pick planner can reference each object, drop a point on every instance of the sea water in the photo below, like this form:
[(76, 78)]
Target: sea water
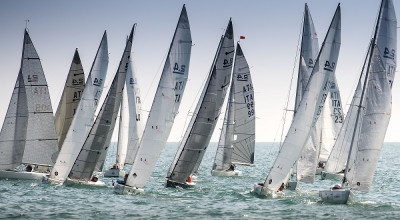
[(212, 197)]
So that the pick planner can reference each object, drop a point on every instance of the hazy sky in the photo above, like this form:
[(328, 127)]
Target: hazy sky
[(271, 28)]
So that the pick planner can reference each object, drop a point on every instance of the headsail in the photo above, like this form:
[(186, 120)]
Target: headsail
[(165, 104), (70, 98), (205, 117), (99, 138), (84, 116), (28, 134), (309, 108)]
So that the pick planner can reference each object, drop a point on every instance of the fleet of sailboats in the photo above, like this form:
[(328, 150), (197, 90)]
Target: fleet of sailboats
[(71, 147)]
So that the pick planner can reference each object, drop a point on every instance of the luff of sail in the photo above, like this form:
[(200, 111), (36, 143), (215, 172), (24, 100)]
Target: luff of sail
[(83, 119), (245, 116), (309, 109), (205, 117), (134, 126), (165, 104), (70, 98), (99, 138)]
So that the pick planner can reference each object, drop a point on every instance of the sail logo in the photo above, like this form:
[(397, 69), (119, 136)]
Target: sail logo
[(178, 70), (97, 82), (77, 82), (329, 66), (310, 63), (228, 63), (33, 78), (131, 81), (389, 53), (242, 77)]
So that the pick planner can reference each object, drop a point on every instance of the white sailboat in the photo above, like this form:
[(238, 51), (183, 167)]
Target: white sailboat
[(28, 139), (70, 98), (99, 138), (84, 116), (324, 132), (237, 140), (373, 110), (130, 126), (163, 110), (309, 109), (205, 116)]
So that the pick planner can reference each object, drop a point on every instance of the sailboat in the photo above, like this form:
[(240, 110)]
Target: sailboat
[(373, 110), (237, 140), (308, 112), (130, 126), (99, 138), (205, 117), (28, 139), (70, 98), (324, 132), (84, 116), (163, 110)]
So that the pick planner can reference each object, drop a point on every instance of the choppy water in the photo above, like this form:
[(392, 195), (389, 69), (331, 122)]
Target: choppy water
[(213, 197)]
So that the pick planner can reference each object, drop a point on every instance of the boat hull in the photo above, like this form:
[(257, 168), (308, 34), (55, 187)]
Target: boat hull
[(22, 175), (72, 182), (114, 173), (126, 190), (318, 171), (291, 185), (226, 173), (331, 176), (335, 196), (173, 184), (259, 189)]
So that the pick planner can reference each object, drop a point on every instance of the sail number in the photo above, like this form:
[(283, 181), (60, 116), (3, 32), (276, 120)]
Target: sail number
[(179, 70), (389, 53), (329, 66)]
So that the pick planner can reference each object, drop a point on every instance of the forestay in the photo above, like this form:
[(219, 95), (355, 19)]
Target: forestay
[(309, 108), (99, 138), (28, 134), (165, 104), (84, 116), (205, 116), (70, 98)]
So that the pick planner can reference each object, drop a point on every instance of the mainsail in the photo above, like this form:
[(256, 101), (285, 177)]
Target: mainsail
[(99, 138), (84, 116), (309, 108), (70, 98), (237, 140), (28, 134), (165, 104), (205, 117)]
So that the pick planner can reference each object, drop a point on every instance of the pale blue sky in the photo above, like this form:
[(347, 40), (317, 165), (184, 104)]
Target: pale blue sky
[(271, 28)]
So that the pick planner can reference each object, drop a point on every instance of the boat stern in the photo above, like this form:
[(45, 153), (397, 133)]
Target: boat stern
[(126, 190), (335, 196)]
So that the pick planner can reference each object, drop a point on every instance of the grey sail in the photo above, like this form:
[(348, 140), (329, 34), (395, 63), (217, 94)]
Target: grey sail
[(99, 138), (205, 117), (28, 134), (70, 98)]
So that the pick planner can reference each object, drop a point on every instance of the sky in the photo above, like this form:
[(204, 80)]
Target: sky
[(271, 29)]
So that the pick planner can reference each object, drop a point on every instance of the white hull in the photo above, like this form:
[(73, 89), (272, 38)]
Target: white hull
[(259, 189), (70, 182), (291, 185), (22, 175), (331, 176), (226, 173), (318, 171), (337, 196), (114, 173), (126, 190)]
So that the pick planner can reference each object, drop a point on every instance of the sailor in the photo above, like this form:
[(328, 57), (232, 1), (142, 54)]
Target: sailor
[(231, 168), (122, 182), (95, 178), (189, 180), (115, 166), (281, 188), (28, 168)]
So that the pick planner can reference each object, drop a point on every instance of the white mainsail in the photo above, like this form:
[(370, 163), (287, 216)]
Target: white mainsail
[(99, 138), (70, 98), (165, 104), (377, 104), (387, 44), (132, 128), (237, 141), (84, 116), (205, 117), (309, 108), (28, 134)]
